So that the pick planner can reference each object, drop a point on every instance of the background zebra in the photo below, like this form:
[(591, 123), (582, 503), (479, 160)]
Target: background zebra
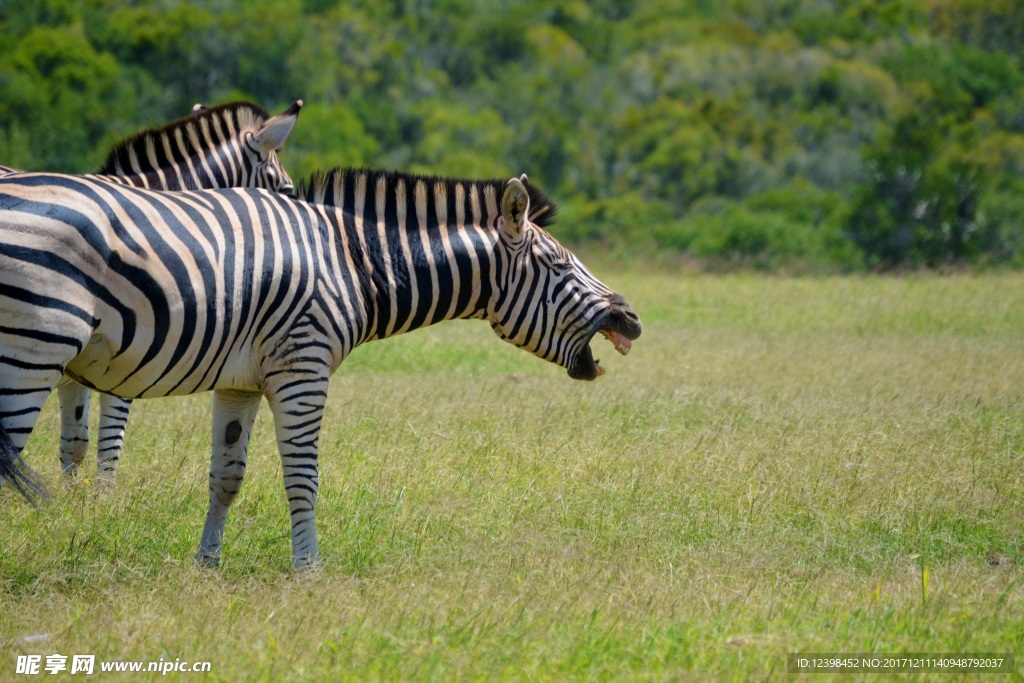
[(253, 294), (229, 145)]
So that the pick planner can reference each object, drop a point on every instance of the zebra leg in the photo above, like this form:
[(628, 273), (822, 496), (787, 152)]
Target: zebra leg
[(233, 415), (74, 426), (298, 409), (113, 419)]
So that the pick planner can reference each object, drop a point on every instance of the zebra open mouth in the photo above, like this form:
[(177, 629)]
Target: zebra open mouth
[(620, 341), (619, 331)]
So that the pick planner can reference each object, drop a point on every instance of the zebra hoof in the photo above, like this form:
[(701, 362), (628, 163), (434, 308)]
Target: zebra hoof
[(307, 565), (207, 561)]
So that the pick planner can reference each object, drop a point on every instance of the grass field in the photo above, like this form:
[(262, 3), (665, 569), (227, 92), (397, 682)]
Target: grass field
[(780, 465)]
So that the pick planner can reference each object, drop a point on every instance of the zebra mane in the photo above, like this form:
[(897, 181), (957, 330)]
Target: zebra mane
[(237, 116), (326, 187)]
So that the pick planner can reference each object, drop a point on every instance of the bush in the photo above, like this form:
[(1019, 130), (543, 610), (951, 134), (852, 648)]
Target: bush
[(1000, 232), (760, 239)]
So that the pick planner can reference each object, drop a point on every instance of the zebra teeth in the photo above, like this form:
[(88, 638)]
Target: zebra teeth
[(621, 343)]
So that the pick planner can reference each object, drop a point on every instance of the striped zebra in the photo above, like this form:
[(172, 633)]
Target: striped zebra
[(252, 294), (229, 145)]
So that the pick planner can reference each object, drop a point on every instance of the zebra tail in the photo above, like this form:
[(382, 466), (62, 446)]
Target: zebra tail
[(24, 479)]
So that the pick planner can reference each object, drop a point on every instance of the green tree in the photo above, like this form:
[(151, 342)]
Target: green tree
[(919, 207), (663, 125), (63, 96)]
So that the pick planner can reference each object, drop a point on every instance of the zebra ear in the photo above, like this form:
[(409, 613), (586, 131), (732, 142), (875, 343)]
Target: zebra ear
[(515, 206), (271, 136)]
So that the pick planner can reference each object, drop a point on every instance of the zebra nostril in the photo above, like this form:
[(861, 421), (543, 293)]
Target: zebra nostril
[(626, 313), (620, 304)]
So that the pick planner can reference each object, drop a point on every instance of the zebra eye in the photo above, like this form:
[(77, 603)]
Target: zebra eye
[(562, 266)]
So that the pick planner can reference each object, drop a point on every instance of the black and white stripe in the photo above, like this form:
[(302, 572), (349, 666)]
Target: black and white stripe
[(229, 145), (252, 294)]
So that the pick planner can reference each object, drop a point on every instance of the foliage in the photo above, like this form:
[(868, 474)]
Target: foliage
[(921, 206), (637, 116)]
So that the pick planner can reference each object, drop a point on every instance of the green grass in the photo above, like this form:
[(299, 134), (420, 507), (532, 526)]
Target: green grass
[(780, 465)]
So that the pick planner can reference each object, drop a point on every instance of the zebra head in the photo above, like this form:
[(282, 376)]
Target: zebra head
[(262, 146), (547, 302), (229, 145)]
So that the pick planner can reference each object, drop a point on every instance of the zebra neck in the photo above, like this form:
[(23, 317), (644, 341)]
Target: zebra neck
[(218, 168), (192, 152), (427, 244)]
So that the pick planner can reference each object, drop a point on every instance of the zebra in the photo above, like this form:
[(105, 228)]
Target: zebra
[(252, 294), (229, 145)]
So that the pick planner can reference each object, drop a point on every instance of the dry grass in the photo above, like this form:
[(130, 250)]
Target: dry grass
[(780, 465)]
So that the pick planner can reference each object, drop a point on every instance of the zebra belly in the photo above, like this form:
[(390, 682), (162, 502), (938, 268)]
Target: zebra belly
[(128, 375)]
